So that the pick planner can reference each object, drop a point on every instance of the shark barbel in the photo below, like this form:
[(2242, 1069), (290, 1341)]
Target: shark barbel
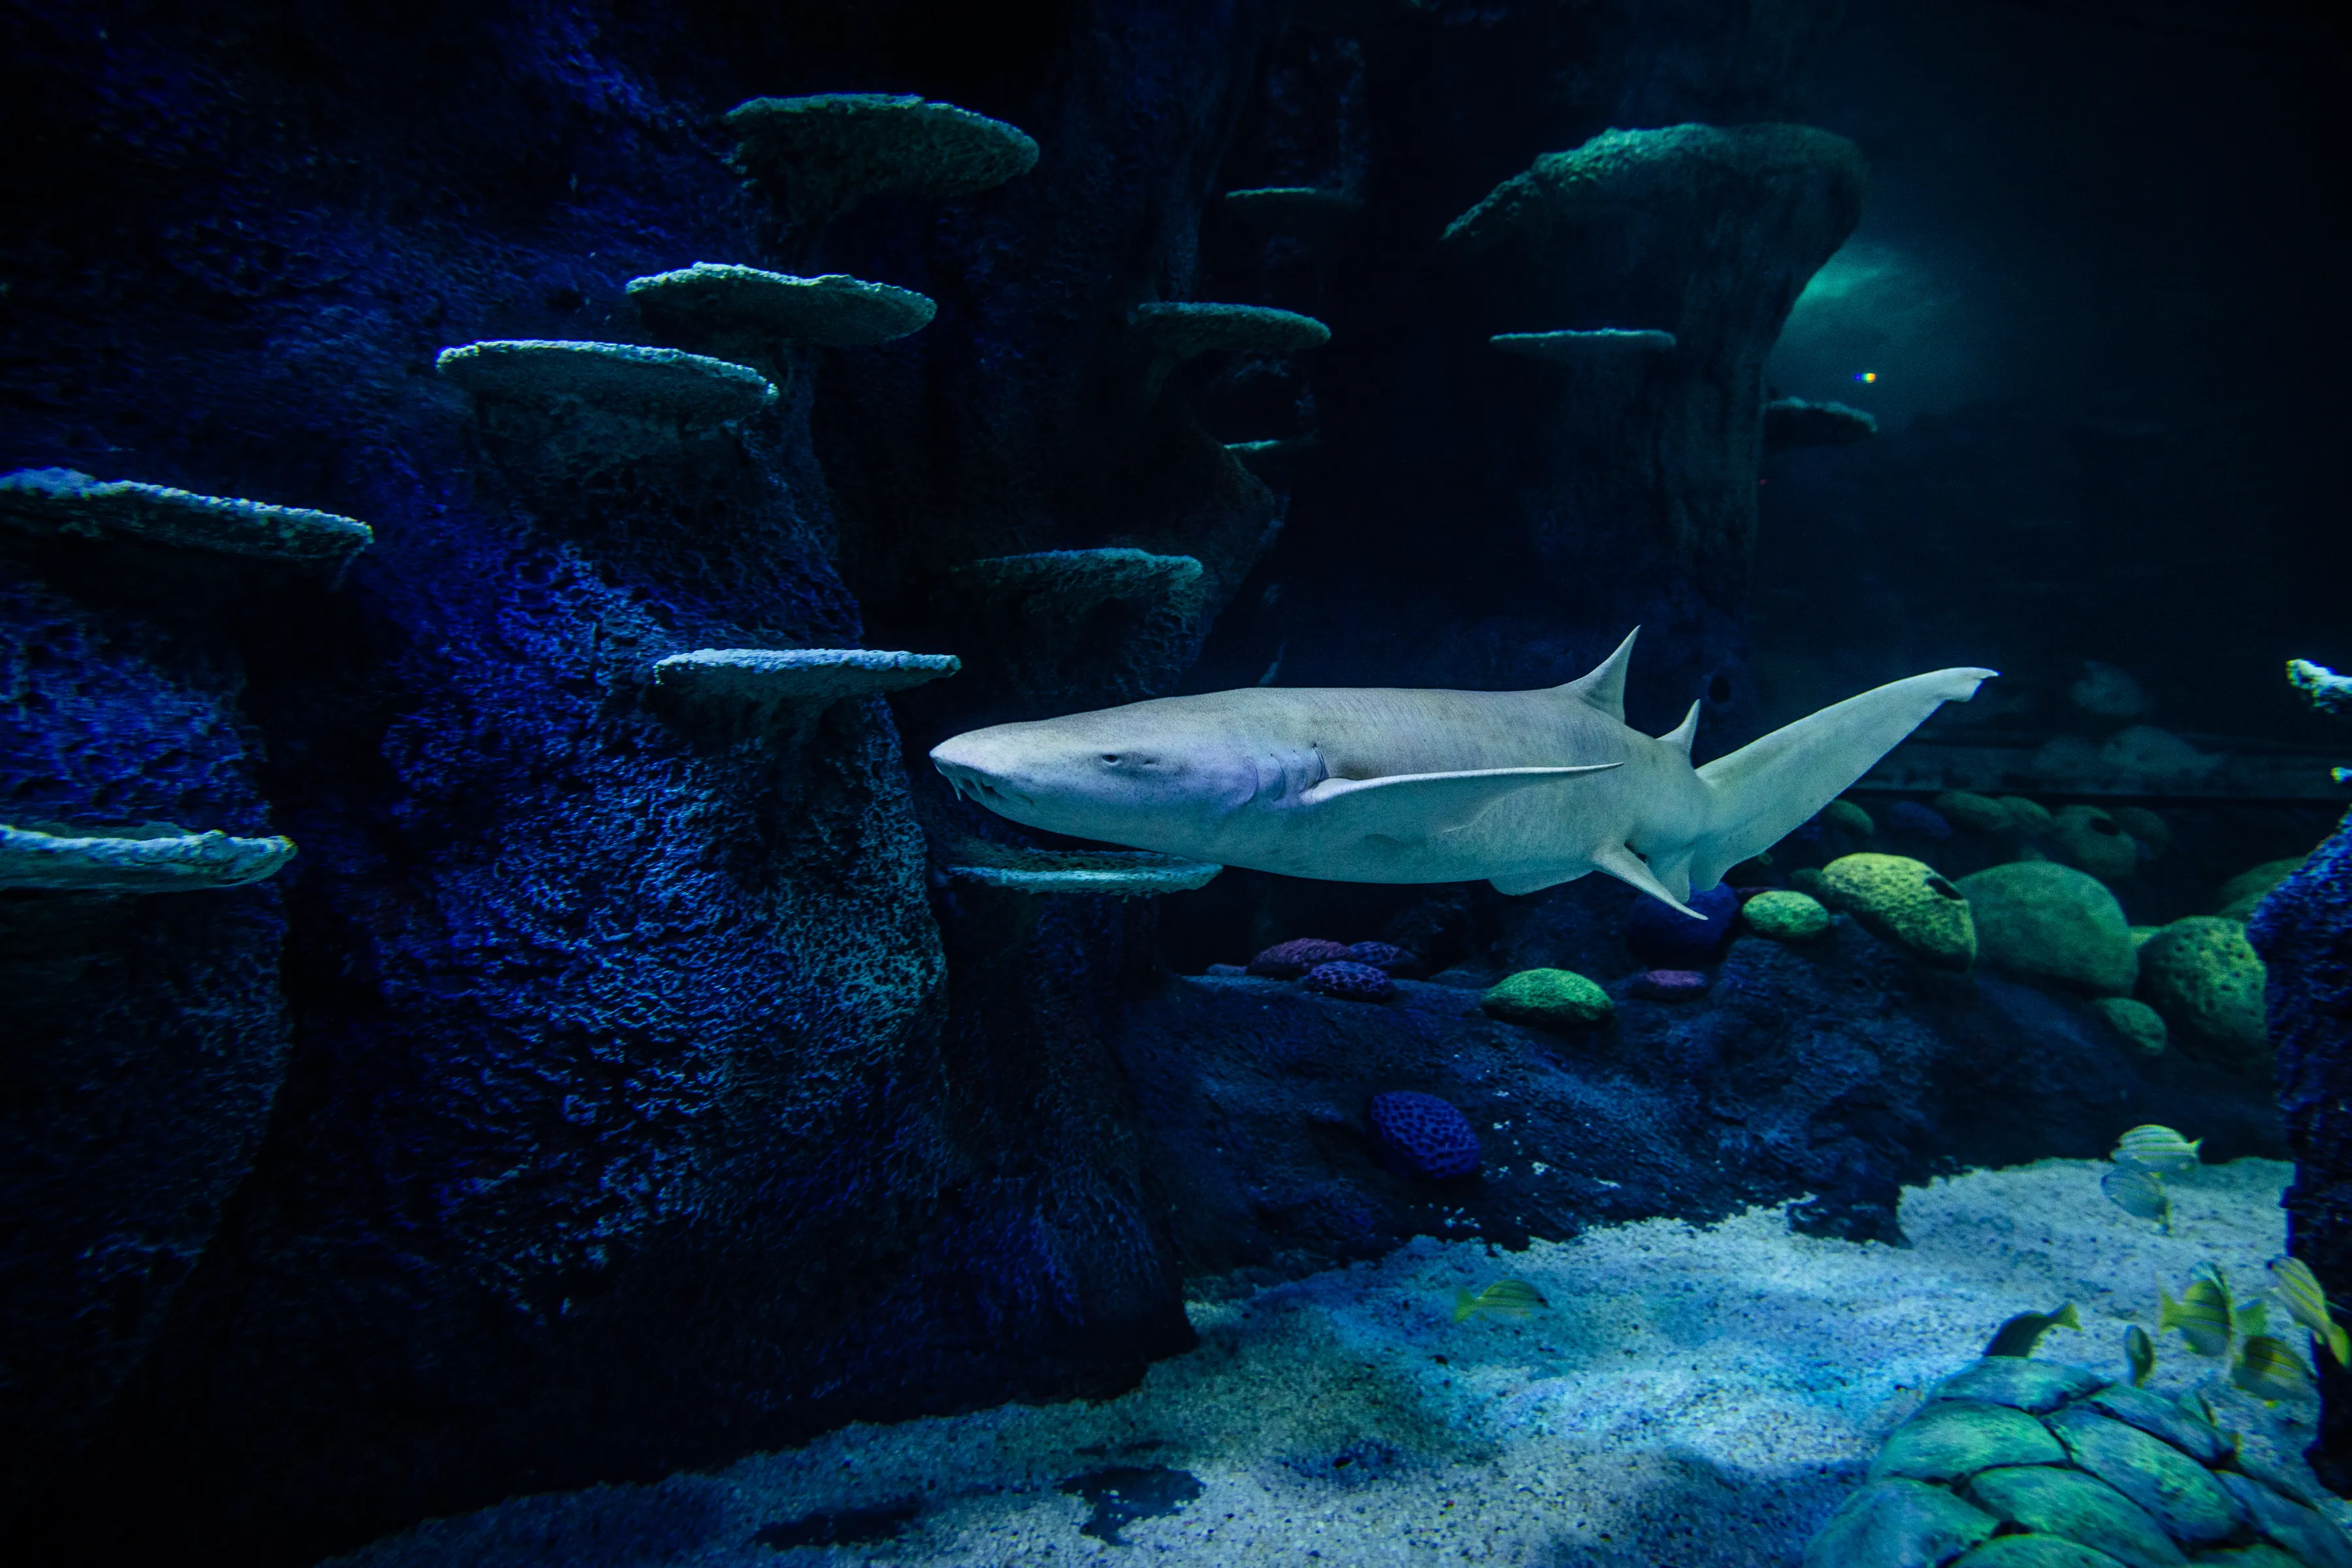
[(1522, 789)]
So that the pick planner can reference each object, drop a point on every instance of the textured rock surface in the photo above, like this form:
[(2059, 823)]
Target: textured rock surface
[(2303, 932), (1906, 900), (2038, 917), (1838, 1067), (2207, 980), (1547, 998)]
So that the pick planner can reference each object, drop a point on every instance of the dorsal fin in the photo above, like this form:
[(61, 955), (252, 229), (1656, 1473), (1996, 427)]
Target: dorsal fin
[(1605, 687), (1683, 734)]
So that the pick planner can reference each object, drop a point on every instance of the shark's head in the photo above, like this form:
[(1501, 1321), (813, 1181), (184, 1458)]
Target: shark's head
[(1138, 775)]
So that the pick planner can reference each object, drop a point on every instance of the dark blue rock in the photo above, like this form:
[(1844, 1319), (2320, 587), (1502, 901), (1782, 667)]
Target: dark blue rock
[(1667, 938)]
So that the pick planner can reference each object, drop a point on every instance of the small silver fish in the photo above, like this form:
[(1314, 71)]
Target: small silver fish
[(2139, 1353), (2139, 1193), (1515, 1298), (2305, 1301), (2157, 1149), (2268, 1368)]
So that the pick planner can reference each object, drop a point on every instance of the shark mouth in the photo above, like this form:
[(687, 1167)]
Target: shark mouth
[(970, 784)]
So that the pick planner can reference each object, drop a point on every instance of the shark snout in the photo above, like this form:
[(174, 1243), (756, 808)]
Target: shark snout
[(969, 767)]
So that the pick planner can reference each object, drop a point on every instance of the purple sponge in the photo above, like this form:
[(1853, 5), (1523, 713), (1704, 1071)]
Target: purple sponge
[(1354, 982), (1668, 939), (1421, 1135), (1382, 955), (1289, 960)]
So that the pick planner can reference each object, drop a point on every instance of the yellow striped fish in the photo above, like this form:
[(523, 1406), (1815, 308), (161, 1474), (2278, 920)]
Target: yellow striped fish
[(2139, 1193), (1515, 1298), (2268, 1368), (2157, 1149), (2139, 1352), (2299, 1291), (2202, 1314), (2019, 1335)]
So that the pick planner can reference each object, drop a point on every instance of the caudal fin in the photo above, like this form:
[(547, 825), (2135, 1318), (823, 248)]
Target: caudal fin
[(1761, 792)]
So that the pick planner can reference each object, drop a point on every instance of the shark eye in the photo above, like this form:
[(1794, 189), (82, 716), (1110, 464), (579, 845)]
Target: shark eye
[(1110, 757)]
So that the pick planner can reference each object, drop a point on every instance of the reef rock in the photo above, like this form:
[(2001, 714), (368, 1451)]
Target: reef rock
[(2206, 979), (2087, 838), (1785, 915), (1907, 902), (2038, 917), (1549, 998)]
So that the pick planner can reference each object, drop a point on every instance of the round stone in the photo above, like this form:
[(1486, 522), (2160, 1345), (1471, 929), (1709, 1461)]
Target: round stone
[(2173, 1489), (2140, 1024), (2036, 1552), (1898, 1521), (2030, 1385), (2206, 979), (2048, 921)]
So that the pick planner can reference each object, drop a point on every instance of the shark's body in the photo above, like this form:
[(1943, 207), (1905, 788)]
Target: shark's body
[(1524, 789)]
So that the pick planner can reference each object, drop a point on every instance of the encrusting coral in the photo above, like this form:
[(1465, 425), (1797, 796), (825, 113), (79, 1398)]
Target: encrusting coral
[(1421, 1135), (1602, 345), (1305, 213), (1182, 329)]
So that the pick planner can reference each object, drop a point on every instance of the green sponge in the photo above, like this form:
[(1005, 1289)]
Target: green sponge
[(1549, 998)]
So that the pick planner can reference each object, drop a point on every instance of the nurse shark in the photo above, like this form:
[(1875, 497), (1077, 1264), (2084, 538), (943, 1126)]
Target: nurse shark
[(1521, 789)]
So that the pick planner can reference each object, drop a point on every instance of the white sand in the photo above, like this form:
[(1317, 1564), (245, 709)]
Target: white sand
[(1694, 1397)]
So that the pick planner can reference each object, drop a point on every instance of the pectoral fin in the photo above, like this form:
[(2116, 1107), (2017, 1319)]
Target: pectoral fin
[(1627, 868), (1412, 806)]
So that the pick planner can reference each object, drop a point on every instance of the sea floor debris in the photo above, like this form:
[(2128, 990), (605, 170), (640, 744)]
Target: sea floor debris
[(1694, 1395)]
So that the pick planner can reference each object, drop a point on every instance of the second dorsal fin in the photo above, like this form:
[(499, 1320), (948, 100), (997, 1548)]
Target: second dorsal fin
[(1604, 687), (1681, 736)]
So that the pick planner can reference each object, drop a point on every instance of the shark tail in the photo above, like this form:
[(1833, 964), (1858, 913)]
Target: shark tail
[(1762, 792)]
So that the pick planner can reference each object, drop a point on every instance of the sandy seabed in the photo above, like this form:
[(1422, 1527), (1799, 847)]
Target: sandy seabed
[(1694, 1396)]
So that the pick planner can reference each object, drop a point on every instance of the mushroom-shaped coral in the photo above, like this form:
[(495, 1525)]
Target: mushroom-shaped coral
[(806, 678), (1421, 1135), (164, 860), (717, 306), (1605, 345), (1304, 213), (1117, 874), (1790, 422), (1067, 625), (822, 155), (624, 378), (63, 501), (1173, 331)]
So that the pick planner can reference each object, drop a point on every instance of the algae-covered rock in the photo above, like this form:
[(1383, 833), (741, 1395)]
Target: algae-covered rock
[(1847, 817), (1785, 916), (2141, 1026), (2086, 837), (2204, 976), (2051, 921), (2260, 1555), (2172, 1489), (2028, 815), (2030, 1385), (1549, 998), (1897, 1523), (2241, 893), (1977, 813), (1954, 1438), (1907, 902), (2078, 1508), (2031, 1550)]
